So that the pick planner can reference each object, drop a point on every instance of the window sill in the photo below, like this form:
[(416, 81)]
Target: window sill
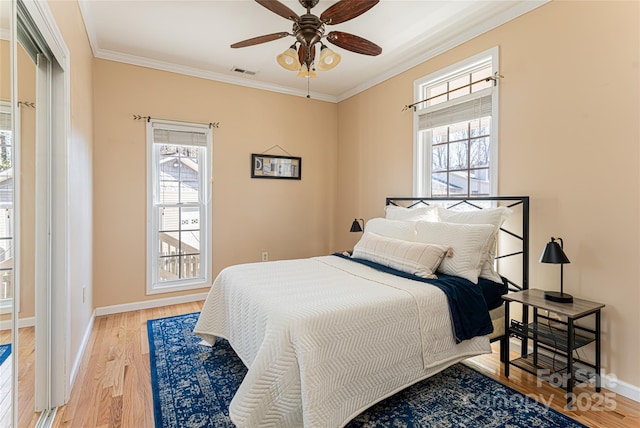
[(163, 289)]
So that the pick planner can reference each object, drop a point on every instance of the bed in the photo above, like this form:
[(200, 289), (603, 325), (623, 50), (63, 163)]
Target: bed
[(325, 338)]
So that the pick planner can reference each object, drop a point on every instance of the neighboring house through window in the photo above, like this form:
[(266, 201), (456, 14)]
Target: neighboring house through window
[(6, 207), (179, 206), (455, 146)]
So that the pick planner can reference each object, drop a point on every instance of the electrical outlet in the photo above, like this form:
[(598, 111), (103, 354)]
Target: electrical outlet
[(265, 256)]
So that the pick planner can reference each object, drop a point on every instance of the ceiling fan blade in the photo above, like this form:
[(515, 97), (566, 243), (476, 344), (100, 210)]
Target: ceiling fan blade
[(354, 43), (345, 10), (259, 39), (280, 9)]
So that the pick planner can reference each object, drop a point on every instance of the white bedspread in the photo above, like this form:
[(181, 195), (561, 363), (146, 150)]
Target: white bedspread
[(325, 338)]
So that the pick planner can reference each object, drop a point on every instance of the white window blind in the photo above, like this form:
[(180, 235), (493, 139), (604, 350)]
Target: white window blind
[(179, 138), (5, 121), (458, 112)]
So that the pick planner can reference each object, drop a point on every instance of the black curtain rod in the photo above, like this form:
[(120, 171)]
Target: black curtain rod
[(495, 78), (30, 104), (148, 119)]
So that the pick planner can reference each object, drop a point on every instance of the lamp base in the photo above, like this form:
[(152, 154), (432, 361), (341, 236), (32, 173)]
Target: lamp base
[(556, 296)]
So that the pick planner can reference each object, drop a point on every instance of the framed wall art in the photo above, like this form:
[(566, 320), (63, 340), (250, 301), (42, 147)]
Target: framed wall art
[(270, 166)]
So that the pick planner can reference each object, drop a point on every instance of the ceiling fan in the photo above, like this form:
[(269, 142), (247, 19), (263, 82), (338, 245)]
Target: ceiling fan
[(309, 29)]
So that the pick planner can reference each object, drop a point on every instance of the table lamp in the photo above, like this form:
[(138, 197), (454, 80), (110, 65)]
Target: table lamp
[(554, 253), (355, 226)]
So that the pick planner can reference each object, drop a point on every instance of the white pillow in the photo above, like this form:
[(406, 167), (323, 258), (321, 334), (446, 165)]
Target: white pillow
[(493, 216), (412, 257), (405, 230), (424, 212), (468, 242)]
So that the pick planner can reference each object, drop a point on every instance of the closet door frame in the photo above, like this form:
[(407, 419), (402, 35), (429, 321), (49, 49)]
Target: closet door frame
[(53, 378)]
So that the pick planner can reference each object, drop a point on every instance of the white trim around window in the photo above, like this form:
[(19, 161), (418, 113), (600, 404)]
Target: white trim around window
[(188, 264), (12, 224), (422, 153)]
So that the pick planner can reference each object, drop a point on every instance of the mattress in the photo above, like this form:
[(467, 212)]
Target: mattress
[(325, 338)]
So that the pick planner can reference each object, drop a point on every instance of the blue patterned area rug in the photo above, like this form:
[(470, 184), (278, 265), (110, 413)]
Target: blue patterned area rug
[(5, 351), (193, 385)]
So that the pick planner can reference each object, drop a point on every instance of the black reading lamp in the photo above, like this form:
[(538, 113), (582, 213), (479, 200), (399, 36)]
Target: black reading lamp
[(355, 226), (554, 253)]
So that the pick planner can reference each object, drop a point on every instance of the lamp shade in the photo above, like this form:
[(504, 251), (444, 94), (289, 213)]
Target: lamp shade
[(328, 59), (305, 72), (289, 59), (553, 253), (355, 226)]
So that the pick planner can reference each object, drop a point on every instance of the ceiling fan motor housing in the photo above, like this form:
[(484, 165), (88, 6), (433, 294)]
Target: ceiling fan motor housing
[(308, 4), (309, 30)]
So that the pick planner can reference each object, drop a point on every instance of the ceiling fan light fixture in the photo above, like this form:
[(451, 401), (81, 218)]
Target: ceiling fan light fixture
[(328, 59), (305, 72), (289, 59), (309, 30)]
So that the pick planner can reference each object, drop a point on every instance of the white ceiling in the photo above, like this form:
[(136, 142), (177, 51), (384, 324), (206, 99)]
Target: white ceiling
[(193, 38)]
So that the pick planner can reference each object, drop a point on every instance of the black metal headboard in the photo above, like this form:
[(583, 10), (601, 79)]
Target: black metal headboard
[(519, 229)]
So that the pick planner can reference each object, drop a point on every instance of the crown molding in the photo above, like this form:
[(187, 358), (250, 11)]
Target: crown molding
[(185, 70), (443, 43), (206, 74)]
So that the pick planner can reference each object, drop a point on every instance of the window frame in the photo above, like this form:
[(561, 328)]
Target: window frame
[(154, 286), (7, 304), (422, 156)]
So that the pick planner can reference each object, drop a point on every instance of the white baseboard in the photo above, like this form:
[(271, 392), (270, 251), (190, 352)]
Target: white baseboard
[(80, 354), (22, 322), (127, 307), (148, 304), (609, 381), (26, 322), (623, 388)]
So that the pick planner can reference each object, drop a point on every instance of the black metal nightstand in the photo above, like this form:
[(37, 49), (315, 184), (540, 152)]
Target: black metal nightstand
[(559, 337)]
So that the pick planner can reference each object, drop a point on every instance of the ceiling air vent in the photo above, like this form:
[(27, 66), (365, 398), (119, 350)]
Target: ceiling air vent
[(243, 71)]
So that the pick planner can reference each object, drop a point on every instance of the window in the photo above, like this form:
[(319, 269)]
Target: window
[(6, 207), (455, 142), (179, 206)]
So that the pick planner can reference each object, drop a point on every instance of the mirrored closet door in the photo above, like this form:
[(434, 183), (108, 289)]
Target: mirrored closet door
[(24, 222), (28, 282), (7, 292)]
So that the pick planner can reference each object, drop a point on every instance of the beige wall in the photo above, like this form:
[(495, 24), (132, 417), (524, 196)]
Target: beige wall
[(71, 25), (569, 138), (287, 218)]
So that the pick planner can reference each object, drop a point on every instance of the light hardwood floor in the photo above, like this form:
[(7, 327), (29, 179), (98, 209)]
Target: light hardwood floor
[(26, 380), (113, 387)]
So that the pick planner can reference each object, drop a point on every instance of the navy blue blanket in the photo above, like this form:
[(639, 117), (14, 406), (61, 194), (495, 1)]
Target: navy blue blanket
[(467, 304)]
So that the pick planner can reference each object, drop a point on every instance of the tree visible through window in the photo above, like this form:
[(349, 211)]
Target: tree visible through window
[(455, 146), (460, 159)]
